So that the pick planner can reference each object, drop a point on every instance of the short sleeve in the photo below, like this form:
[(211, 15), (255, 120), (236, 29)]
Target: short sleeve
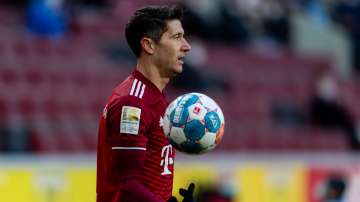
[(128, 122)]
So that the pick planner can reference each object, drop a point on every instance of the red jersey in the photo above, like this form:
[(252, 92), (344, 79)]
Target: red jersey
[(132, 148)]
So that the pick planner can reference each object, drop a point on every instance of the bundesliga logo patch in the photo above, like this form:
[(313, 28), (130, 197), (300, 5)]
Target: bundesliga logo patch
[(130, 120)]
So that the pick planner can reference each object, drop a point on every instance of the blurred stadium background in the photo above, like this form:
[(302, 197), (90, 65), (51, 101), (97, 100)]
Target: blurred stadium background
[(263, 61)]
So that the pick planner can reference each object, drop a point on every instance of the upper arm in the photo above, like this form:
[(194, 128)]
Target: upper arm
[(128, 124)]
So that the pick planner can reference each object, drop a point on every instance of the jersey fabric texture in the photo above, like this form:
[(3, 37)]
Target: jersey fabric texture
[(134, 158)]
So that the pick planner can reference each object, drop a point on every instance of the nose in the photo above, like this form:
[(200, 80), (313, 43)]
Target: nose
[(185, 46)]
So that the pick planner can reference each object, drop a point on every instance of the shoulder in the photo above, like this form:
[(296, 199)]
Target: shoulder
[(131, 88), (132, 92), (118, 102), (126, 108), (137, 88)]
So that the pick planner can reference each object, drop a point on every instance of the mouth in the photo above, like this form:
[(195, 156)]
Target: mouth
[(181, 59)]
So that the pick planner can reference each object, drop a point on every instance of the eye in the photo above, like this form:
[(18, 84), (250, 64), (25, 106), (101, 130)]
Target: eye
[(178, 36)]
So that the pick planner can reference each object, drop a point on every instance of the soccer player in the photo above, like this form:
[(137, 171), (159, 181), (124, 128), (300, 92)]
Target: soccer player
[(135, 161)]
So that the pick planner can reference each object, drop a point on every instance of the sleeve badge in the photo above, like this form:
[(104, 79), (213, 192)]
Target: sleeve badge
[(130, 120)]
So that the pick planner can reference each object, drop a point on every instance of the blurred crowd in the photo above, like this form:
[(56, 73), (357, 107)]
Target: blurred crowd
[(242, 22), (267, 23)]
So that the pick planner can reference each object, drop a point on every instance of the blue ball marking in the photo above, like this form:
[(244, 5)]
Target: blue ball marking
[(178, 118), (180, 114), (194, 130), (212, 122), (190, 101), (191, 147)]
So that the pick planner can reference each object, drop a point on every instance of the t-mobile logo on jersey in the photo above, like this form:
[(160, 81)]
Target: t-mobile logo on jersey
[(166, 160)]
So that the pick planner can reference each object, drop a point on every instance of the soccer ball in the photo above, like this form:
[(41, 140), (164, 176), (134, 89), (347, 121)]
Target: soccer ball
[(194, 123)]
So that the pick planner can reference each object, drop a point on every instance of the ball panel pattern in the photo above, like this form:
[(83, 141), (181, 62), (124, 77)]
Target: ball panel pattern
[(166, 125), (194, 123), (196, 111), (191, 147), (177, 135), (220, 134), (212, 121), (180, 114), (208, 139), (194, 130)]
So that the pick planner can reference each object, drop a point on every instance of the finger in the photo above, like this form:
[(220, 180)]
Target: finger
[(191, 188), (183, 192), (173, 199)]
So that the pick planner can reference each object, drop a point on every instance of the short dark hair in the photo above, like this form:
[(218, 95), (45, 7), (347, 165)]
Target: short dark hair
[(149, 21)]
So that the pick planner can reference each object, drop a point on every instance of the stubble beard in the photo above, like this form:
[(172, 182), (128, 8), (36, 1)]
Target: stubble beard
[(178, 70), (174, 71)]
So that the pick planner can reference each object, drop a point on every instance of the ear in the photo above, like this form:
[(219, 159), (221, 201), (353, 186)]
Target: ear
[(148, 45)]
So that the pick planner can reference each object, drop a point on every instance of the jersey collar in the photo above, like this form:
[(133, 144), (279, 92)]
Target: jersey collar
[(138, 75)]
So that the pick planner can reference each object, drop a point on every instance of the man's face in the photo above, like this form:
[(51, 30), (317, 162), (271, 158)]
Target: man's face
[(171, 50)]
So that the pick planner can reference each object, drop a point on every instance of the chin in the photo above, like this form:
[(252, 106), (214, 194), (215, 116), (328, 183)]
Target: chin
[(178, 70), (175, 71)]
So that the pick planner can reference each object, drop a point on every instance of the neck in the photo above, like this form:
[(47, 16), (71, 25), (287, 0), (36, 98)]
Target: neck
[(151, 72)]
